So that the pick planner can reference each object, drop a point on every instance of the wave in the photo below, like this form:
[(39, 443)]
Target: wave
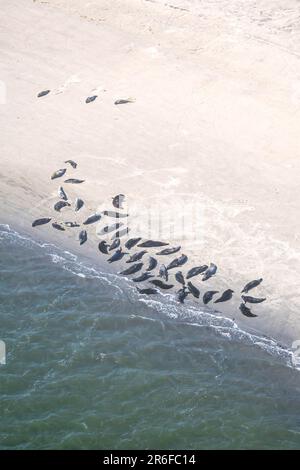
[(164, 304)]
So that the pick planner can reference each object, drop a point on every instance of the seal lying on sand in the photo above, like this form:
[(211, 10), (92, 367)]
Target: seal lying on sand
[(115, 244), (151, 244), (179, 278), (58, 226), (116, 215), (133, 269), (250, 285), (169, 251), (103, 247), (92, 219), (197, 270), (253, 300), (43, 221), (136, 256), (82, 237), (148, 291), (74, 181), (118, 254), (78, 204), (110, 228), (210, 272), (246, 311), (43, 93), (182, 294), (60, 204), (177, 262), (118, 200), (58, 173), (193, 290), (143, 277), (227, 295), (124, 101), (62, 194), (72, 163), (152, 263), (162, 285), (71, 224), (209, 295), (91, 98), (131, 242), (163, 272)]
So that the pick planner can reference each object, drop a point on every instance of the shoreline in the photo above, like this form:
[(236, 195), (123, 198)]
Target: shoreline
[(204, 130)]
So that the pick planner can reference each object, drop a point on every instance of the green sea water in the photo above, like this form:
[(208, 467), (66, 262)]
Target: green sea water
[(92, 365)]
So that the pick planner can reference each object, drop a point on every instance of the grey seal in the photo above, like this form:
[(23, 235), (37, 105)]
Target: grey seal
[(210, 272), (42, 221), (151, 244), (177, 262), (115, 244), (58, 226), (253, 300), (58, 173), (246, 311), (72, 163), (71, 224), (179, 278), (74, 181), (148, 291), (132, 242), (227, 295), (103, 247), (209, 295), (169, 251), (43, 93), (78, 204), (110, 228), (136, 256), (196, 270), (92, 219), (133, 269), (143, 277), (62, 194), (152, 263), (118, 254), (163, 272), (193, 290), (60, 205), (90, 99), (162, 285), (82, 237), (115, 215), (250, 285), (182, 294)]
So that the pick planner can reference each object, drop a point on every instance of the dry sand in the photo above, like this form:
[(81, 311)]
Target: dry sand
[(212, 138)]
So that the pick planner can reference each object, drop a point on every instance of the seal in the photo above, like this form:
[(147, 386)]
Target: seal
[(74, 181), (42, 221), (58, 226), (118, 200), (193, 290), (124, 101), (62, 194), (227, 295), (152, 263), (92, 219), (82, 237), (179, 278), (133, 269), (103, 247), (115, 215), (43, 93), (169, 251), (246, 311), (143, 277), (163, 272), (115, 244), (60, 204), (250, 285), (72, 163), (71, 224), (136, 256), (90, 99), (197, 270), (162, 285), (78, 204), (132, 242), (118, 254), (151, 244), (209, 295), (182, 294), (110, 228), (253, 300), (177, 262), (148, 291), (58, 173), (210, 272)]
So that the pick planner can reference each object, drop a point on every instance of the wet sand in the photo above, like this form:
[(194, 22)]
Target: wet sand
[(212, 135)]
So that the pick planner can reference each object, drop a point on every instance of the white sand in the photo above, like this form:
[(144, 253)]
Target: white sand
[(213, 133)]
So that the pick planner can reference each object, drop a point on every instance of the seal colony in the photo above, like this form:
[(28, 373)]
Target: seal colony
[(142, 261)]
